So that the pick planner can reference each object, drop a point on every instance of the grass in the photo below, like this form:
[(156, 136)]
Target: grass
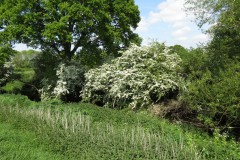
[(84, 131), (21, 145)]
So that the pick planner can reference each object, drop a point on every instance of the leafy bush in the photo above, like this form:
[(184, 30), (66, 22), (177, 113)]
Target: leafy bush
[(22, 63), (18, 74), (5, 53), (24, 59), (6, 73), (45, 65), (25, 74), (217, 99), (142, 75), (6, 67), (13, 87), (195, 61), (70, 81)]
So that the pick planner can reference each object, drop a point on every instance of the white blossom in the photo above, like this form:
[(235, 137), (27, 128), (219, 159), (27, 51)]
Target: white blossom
[(130, 79)]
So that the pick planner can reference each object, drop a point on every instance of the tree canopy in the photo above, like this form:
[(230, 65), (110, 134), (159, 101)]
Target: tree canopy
[(214, 94), (66, 27), (223, 16), (214, 11), (5, 52)]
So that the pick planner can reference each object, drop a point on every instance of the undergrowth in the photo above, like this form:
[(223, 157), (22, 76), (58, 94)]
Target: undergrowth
[(84, 131)]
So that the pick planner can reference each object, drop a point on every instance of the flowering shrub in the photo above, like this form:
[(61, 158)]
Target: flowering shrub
[(139, 77), (6, 66), (6, 73), (70, 81), (46, 91)]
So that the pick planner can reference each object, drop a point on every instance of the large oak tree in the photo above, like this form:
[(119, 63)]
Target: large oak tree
[(67, 27)]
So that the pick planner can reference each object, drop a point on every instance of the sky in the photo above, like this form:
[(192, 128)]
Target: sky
[(164, 21)]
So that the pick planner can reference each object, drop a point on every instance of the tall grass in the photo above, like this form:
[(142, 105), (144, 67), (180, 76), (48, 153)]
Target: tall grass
[(22, 145), (75, 135), (83, 131)]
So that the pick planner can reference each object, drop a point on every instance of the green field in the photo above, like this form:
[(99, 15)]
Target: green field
[(52, 130)]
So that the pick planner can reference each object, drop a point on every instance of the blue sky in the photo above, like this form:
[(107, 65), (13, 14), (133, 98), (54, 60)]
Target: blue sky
[(164, 21)]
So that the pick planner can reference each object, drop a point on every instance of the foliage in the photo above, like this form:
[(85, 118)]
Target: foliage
[(65, 27), (45, 65), (212, 11), (73, 131), (215, 94), (70, 81), (5, 53), (212, 94), (24, 59), (6, 73), (139, 77), (23, 65), (13, 86), (194, 61), (223, 15), (19, 73), (26, 75), (62, 80), (94, 59), (216, 99), (6, 68), (180, 50)]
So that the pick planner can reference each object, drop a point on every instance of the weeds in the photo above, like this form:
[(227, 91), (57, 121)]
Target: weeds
[(105, 139), (82, 131)]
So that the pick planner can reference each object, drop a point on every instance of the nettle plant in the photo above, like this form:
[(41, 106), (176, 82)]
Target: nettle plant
[(141, 76)]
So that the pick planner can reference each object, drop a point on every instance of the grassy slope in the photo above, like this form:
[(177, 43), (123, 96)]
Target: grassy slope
[(21, 145), (113, 134)]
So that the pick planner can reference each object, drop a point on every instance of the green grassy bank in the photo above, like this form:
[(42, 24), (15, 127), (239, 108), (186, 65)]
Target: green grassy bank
[(52, 130)]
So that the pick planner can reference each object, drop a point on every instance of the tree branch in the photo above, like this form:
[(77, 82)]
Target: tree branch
[(78, 43)]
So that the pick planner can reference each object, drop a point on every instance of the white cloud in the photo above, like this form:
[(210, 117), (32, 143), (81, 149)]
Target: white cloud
[(201, 38), (181, 31), (143, 25), (178, 24), (181, 38), (171, 13)]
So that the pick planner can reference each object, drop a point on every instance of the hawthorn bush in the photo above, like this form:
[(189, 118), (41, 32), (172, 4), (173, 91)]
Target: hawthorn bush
[(6, 67), (141, 76), (70, 81)]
